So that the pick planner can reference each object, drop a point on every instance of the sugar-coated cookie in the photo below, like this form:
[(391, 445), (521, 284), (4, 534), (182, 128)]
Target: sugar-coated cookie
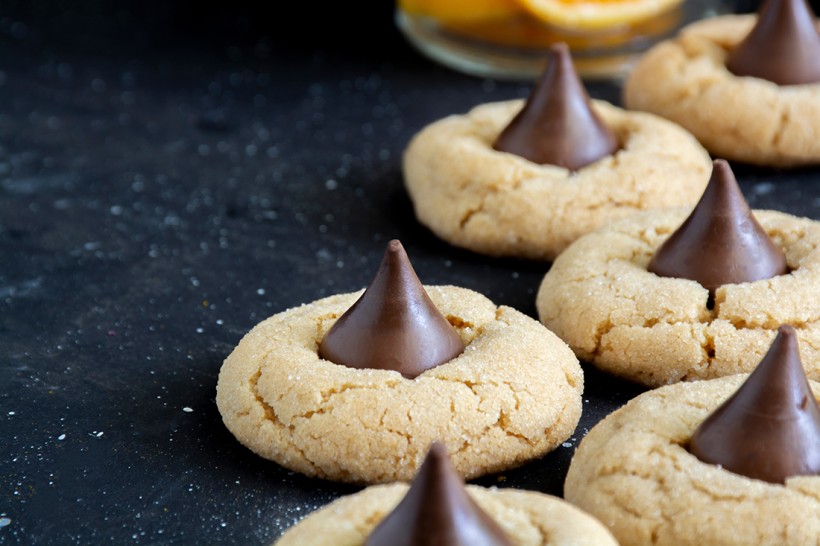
[(599, 297), (526, 178), (437, 509), (737, 117), (528, 517), (634, 473), (512, 395)]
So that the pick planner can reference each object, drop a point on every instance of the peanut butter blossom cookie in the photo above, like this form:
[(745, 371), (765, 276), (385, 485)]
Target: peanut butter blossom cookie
[(727, 461), (355, 387), (526, 178), (663, 297), (436, 509), (747, 86)]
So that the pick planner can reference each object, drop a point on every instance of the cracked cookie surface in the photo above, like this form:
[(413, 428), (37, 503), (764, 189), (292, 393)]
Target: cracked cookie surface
[(500, 204), (529, 518), (599, 297), (513, 395), (633, 472), (741, 118)]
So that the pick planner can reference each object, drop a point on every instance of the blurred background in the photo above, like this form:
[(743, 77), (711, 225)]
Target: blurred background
[(133, 28)]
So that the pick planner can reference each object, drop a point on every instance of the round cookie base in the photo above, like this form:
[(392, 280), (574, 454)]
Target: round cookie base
[(500, 204), (513, 395), (599, 297), (746, 119), (633, 472), (529, 518)]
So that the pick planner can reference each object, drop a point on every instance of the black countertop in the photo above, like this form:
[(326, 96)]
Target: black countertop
[(169, 178)]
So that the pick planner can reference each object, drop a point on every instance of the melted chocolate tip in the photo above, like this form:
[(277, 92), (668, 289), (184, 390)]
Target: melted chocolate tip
[(394, 245)]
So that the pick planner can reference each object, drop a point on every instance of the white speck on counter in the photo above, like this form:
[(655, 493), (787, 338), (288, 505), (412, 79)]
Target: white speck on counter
[(200, 330), (98, 85), (4, 522), (11, 413), (260, 291), (331, 184), (763, 188), (186, 409), (567, 444), (61, 437)]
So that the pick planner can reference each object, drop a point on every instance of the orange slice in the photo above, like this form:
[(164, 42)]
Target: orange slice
[(595, 14), (461, 10)]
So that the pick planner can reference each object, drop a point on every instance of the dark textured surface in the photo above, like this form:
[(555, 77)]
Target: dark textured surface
[(168, 178)]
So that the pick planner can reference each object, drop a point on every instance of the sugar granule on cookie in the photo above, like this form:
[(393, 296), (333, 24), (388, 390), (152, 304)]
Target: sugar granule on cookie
[(770, 428), (681, 295), (733, 460), (747, 86), (354, 387), (557, 125), (438, 509), (525, 178)]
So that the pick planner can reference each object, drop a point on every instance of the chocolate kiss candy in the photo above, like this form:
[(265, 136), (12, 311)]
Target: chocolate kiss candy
[(770, 428), (557, 125), (720, 242), (394, 325), (437, 511), (783, 46)]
